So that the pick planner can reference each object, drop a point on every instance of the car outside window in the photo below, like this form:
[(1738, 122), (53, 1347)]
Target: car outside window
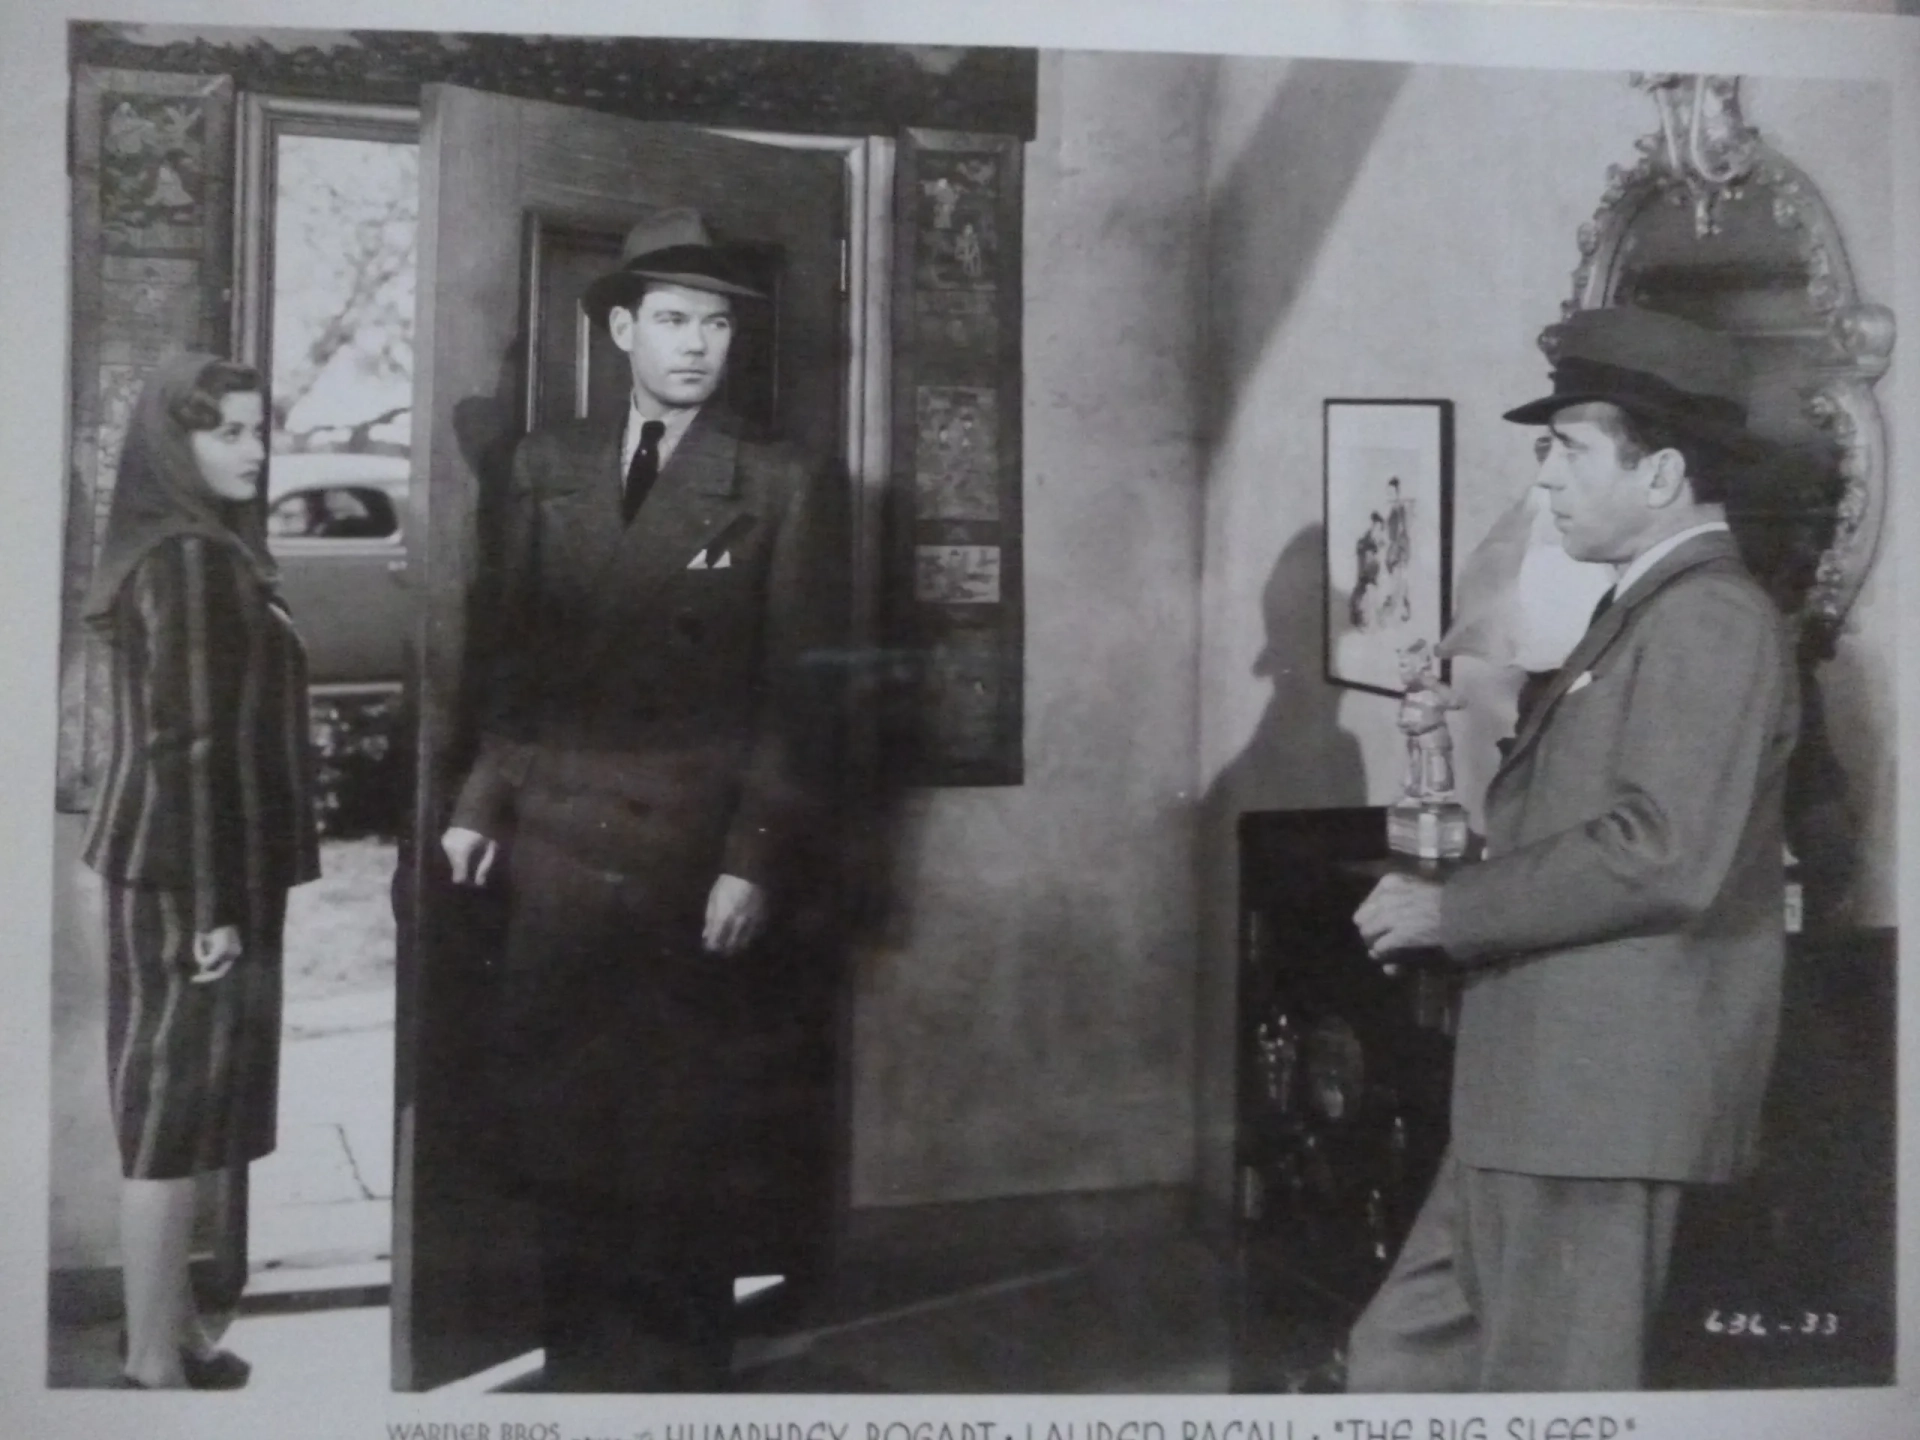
[(334, 512)]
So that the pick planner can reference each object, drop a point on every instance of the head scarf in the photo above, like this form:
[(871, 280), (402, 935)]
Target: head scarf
[(159, 493)]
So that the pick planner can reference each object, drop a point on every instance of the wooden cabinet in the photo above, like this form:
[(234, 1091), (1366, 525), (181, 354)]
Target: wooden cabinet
[(1343, 1077)]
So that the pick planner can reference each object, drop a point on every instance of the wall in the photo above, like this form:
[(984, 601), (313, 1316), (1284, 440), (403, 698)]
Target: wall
[(1029, 1026), (84, 1180), (1385, 231)]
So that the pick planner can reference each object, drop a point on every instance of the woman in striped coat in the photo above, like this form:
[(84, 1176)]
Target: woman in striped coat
[(202, 822)]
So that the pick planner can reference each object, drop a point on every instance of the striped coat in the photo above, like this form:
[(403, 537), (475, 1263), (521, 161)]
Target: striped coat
[(203, 819), (208, 789)]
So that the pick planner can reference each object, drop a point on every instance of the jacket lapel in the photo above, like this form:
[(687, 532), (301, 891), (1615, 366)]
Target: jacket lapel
[(1604, 632), (696, 497), (583, 509)]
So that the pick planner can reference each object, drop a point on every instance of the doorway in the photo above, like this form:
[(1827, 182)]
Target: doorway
[(329, 203), (521, 195), (328, 225)]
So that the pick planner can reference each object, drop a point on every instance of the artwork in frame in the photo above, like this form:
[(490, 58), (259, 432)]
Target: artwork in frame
[(1388, 535)]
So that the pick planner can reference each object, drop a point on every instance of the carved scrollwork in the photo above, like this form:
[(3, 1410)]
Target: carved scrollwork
[(1705, 146), (1845, 409)]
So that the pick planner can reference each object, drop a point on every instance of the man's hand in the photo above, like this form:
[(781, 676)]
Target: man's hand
[(470, 855), (736, 911), (1402, 913), (214, 952)]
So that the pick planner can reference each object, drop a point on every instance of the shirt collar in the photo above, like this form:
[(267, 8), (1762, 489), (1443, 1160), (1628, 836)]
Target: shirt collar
[(1653, 554), (676, 422)]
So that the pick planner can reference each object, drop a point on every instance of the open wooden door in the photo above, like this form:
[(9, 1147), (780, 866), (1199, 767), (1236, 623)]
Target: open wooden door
[(521, 203)]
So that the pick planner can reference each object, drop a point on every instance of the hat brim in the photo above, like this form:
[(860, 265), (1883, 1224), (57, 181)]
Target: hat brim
[(624, 287), (1737, 440)]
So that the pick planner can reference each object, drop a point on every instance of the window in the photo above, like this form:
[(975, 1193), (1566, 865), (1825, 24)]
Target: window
[(334, 512)]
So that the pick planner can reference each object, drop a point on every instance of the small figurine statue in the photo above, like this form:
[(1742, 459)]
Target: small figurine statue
[(1423, 719), (1427, 820)]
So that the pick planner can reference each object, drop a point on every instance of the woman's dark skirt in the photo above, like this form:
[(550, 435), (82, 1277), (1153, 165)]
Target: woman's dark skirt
[(193, 1071)]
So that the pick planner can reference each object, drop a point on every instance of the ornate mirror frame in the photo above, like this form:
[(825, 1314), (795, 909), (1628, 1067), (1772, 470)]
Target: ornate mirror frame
[(1825, 345)]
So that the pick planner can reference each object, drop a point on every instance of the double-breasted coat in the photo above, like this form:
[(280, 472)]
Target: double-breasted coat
[(1624, 940), (651, 719)]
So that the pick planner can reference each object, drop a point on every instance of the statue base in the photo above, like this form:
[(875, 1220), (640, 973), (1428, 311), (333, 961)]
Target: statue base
[(1427, 829)]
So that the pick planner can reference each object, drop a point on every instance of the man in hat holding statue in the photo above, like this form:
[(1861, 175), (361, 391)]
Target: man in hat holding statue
[(1621, 943), (657, 605)]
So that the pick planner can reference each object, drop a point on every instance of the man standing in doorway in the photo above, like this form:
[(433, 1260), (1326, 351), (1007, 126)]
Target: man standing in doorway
[(1621, 944), (647, 763)]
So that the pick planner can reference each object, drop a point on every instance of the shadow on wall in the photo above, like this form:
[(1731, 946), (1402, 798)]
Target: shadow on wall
[(1272, 210), (1298, 756)]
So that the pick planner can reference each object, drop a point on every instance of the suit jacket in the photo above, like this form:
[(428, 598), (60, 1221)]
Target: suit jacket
[(1625, 938), (647, 696), (658, 672), (208, 789)]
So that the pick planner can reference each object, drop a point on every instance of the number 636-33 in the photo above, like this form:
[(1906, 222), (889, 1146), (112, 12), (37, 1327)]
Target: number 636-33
[(1746, 1322)]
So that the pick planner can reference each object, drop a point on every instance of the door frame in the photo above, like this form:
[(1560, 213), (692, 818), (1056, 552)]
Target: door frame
[(866, 287), (263, 119), (460, 439), (866, 283)]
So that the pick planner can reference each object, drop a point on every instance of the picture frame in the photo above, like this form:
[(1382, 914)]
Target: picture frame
[(1388, 535)]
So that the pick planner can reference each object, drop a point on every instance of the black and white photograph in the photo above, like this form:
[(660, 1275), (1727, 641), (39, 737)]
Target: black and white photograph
[(812, 720), (1389, 479)]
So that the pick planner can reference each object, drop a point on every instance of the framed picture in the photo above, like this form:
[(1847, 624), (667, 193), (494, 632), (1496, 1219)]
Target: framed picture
[(1389, 535)]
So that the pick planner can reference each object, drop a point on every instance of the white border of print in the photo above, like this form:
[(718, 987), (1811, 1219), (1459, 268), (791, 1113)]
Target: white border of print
[(33, 317)]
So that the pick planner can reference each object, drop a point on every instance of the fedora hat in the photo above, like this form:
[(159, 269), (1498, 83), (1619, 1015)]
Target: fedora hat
[(670, 247), (1655, 366)]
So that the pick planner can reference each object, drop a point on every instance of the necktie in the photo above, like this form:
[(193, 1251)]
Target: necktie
[(1606, 604), (642, 470)]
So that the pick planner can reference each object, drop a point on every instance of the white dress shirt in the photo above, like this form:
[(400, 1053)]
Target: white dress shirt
[(676, 421)]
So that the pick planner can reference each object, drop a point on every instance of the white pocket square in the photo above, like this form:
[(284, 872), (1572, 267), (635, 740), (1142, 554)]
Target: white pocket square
[(1586, 679), (700, 561)]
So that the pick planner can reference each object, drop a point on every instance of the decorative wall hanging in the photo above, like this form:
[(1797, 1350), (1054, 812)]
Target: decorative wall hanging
[(956, 524), (152, 263)]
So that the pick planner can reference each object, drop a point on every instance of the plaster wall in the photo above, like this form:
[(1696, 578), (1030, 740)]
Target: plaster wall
[(1029, 1028)]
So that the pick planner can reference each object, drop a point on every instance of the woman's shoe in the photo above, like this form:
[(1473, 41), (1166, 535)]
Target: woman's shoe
[(222, 1370)]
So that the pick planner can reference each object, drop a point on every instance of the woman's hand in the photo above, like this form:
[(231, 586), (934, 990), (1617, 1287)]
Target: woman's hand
[(214, 952)]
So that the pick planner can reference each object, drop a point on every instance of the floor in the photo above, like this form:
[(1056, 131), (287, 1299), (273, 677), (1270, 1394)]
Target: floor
[(1143, 1319), (1139, 1319), (324, 1198), (311, 1352)]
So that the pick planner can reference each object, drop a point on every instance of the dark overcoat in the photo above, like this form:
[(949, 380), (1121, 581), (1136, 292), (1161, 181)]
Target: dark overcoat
[(650, 719)]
